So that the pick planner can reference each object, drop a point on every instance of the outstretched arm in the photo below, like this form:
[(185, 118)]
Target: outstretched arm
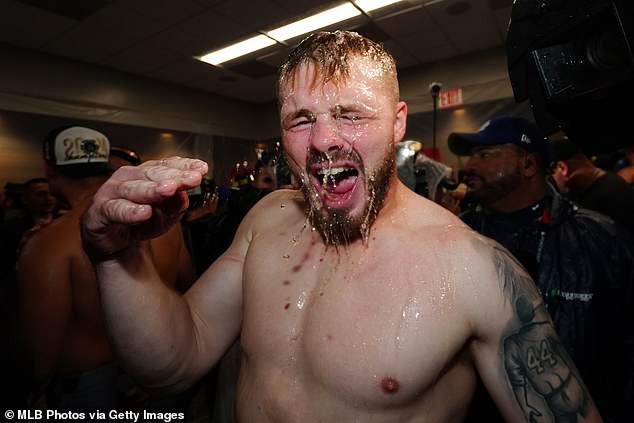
[(163, 339), (518, 354)]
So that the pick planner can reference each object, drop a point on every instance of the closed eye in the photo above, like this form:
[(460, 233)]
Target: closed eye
[(348, 117), (302, 118), (300, 123)]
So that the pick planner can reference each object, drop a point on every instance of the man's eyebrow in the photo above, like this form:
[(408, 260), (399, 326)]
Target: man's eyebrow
[(303, 112), (343, 108)]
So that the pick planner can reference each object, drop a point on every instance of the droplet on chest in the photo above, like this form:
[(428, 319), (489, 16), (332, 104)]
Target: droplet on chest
[(389, 385)]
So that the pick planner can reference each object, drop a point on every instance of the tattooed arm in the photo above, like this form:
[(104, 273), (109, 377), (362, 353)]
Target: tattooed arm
[(517, 352)]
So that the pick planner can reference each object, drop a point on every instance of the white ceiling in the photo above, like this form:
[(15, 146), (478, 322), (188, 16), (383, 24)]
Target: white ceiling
[(158, 38)]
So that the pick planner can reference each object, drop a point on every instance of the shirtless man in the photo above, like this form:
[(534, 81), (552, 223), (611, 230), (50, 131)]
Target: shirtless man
[(60, 314), (356, 301)]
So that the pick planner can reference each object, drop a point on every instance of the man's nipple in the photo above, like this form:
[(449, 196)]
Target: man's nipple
[(389, 385)]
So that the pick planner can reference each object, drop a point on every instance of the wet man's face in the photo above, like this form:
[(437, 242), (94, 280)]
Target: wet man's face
[(339, 141)]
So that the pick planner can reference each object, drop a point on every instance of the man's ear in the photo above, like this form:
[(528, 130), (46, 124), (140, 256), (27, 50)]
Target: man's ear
[(400, 121), (532, 163), (561, 167)]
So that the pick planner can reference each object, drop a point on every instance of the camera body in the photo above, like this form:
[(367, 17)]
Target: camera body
[(572, 59)]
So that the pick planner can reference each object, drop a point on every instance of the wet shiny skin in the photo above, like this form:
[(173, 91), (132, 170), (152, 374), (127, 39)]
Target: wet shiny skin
[(349, 125), (333, 333)]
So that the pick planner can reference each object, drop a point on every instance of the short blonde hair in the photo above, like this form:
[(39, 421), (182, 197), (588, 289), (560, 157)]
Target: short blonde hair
[(331, 54)]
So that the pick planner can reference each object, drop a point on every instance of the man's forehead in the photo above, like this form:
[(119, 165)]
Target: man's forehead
[(308, 83)]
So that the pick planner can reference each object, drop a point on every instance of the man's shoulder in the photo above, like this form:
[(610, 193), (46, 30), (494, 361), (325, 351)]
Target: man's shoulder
[(584, 217), (276, 209), (459, 244), (599, 233), (281, 200), (54, 236)]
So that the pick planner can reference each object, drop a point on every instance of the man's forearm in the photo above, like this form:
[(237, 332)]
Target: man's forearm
[(149, 325)]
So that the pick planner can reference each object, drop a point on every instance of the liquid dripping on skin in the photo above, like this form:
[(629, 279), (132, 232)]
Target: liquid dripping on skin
[(334, 228), (301, 301), (443, 292)]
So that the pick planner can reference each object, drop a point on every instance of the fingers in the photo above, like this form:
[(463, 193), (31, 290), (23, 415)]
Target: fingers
[(125, 212), (138, 203), (144, 191), (155, 180), (132, 191)]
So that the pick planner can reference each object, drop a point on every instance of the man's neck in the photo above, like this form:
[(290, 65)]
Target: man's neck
[(581, 179), (78, 190)]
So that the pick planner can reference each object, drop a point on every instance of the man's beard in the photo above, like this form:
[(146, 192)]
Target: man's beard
[(337, 226), (492, 191)]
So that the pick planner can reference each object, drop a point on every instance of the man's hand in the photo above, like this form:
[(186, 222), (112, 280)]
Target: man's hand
[(138, 203)]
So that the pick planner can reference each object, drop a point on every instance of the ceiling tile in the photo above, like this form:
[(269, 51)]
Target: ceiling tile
[(142, 58), (409, 23), (76, 10), (257, 15), (164, 10), (126, 22), (477, 16), (403, 58), (177, 40), (218, 29), (427, 47), (88, 43), (42, 25), (184, 70), (300, 7)]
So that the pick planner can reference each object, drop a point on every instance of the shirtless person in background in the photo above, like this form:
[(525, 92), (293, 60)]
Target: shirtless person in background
[(59, 312), (356, 301)]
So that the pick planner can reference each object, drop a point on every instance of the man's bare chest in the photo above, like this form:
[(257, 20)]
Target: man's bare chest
[(361, 325)]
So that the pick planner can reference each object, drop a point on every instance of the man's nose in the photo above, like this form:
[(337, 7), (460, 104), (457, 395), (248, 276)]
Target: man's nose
[(326, 134)]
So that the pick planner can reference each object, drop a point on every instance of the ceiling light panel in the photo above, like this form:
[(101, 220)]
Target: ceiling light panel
[(236, 50), (303, 26)]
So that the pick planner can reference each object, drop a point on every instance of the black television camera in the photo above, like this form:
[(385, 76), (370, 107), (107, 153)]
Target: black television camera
[(572, 59)]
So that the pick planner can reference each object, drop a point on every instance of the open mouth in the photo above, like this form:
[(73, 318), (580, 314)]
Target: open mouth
[(337, 180)]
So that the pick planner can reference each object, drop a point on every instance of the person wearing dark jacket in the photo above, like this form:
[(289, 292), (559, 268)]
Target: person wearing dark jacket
[(581, 261), (590, 186)]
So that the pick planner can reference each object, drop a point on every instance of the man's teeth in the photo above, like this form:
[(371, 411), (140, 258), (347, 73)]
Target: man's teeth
[(333, 171)]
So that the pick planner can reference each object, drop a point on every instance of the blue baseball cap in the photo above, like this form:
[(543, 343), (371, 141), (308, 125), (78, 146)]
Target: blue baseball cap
[(503, 130)]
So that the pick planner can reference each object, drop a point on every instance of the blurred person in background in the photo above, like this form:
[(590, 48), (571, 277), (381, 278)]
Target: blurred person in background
[(69, 355), (577, 177), (581, 260), (37, 207)]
